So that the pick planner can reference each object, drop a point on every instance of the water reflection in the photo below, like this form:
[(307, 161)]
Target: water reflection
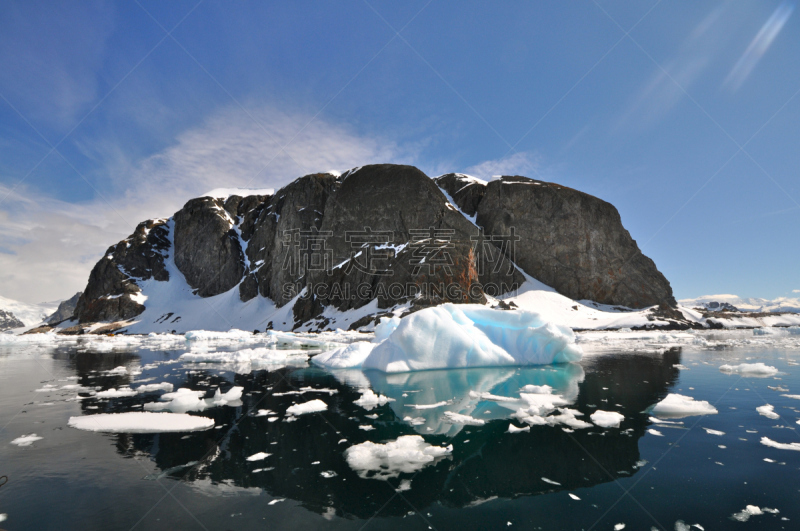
[(307, 462), (460, 388)]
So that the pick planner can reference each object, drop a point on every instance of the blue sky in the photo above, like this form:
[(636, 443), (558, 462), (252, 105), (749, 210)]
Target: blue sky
[(682, 114)]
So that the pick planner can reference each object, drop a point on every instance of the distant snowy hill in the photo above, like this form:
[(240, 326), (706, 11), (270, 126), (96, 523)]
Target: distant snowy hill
[(781, 304), (29, 314)]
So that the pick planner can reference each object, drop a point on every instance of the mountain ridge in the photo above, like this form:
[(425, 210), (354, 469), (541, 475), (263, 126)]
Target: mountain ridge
[(483, 240)]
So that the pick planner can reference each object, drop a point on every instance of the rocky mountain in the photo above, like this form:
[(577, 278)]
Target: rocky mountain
[(14, 311), (65, 310), (375, 239), (9, 321)]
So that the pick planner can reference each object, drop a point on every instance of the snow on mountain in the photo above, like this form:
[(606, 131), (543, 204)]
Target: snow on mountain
[(224, 193), (29, 314), (781, 304)]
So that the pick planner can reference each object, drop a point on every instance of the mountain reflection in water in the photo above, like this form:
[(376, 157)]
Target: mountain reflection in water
[(486, 462)]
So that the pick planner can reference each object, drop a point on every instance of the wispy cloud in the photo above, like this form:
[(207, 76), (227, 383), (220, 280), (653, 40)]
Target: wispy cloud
[(48, 246), (664, 89), (522, 163), (758, 46)]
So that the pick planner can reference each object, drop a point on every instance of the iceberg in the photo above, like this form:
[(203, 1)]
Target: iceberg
[(457, 336), (679, 406)]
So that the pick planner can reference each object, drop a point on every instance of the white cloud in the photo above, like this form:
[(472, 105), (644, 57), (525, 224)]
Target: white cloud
[(522, 163), (796, 291), (758, 46), (48, 246)]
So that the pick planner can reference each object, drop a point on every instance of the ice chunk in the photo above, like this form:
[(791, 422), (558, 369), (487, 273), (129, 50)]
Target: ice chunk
[(514, 429), (141, 422), (26, 440), (752, 510), (537, 389), (116, 393), (152, 388), (758, 370), (655, 432), (232, 397), (766, 441), (254, 357), (370, 400), (679, 406), (457, 418), (430, 406), (768, 411), (714, 432), (460, 335), (352, 356), (619, 527), (405, 455), (546, 480), (574, 497), (258, 456), (205, 335), (607, 419), (312, 406)]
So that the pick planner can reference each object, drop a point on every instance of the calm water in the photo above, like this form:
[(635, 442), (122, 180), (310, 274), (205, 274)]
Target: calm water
[(72, 479)]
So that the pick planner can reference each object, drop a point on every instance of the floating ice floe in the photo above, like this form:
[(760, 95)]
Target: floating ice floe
[(205, 335), (26, 440), (141, 422), (607, 419), (249, 359), (370, 400), (758, 370), (458, 335), (655, 432), (405, 455), (514, 429), (153, 388), (714, 432), (116, 393), (751, 510), (457, 418), (679, 406), (766, 441), (260, 456), (184, 400), (768, 410), (312, 406)]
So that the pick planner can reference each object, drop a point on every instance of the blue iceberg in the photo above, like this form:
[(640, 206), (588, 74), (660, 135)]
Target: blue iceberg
[(457, 336)]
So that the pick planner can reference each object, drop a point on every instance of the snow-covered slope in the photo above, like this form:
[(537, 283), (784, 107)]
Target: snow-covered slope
[(781, 304), (29, 314)]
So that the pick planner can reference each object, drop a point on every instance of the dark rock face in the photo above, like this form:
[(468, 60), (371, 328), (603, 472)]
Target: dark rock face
[(385, 233), (207, 248), (394, 217), (573, 242), (140, 256), (296, 208), (65, 309), (466, 191), (8, 321)]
